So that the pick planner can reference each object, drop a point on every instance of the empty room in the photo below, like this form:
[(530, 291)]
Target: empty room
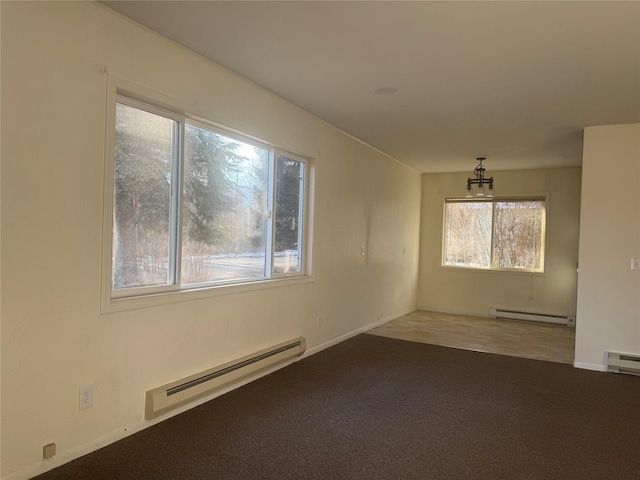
[(320, 240)]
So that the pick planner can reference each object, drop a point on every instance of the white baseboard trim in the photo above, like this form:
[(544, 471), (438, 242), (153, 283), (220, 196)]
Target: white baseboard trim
[(119, 433), (348, 335), (590, 366), (423, 308)]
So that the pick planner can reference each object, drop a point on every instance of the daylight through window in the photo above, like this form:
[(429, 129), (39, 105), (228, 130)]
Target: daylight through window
[(194, 205), (500, 234)]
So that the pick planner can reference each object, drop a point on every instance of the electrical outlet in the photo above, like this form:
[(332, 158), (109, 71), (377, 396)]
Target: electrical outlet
[(85, 397), (635, 263), (363, 251), (319, 321)]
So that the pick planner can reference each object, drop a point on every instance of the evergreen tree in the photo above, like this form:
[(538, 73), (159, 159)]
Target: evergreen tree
[(142, 166), (210, 164), (289, 176)]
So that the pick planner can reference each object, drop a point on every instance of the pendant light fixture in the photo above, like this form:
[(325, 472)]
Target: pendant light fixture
[(480, 186)]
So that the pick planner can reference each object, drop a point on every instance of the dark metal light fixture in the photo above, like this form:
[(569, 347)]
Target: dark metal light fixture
[(476, 186)]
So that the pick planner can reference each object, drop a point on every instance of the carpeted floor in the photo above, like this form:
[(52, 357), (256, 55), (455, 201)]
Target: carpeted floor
[(379, 408)]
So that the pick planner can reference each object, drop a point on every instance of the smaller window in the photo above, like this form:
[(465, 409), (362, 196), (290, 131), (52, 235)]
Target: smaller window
[(290, 180), (146, 146), (498, 234)]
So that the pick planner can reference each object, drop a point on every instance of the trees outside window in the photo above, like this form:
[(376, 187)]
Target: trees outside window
[(144, 149), (500, 234), (288, 227), (193, 205), (224, 205)]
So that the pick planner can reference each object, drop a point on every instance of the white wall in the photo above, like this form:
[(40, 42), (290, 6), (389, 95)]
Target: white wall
[(54, 339), (473, 292), (608, 290)]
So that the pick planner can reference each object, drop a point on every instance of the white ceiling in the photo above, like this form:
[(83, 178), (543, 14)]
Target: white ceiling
[(513, 81)]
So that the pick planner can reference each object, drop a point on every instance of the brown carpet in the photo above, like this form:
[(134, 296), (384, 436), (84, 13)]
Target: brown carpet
[(378, 408)]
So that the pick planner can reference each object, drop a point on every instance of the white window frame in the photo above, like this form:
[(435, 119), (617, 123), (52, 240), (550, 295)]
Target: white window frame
[(493, 201), (124, 92)]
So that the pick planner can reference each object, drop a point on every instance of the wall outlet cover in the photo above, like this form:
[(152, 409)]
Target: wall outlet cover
[(85, 397)]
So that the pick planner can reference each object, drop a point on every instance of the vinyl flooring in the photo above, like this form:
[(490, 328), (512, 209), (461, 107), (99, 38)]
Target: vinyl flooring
[(553, 343)]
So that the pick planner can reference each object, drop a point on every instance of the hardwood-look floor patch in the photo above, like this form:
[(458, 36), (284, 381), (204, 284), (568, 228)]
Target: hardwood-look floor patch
[(553, 343)]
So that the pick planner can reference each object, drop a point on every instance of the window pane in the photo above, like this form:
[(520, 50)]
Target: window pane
[(224, 204), (518, 234), (467, 241), (288, 222), (145, 146)]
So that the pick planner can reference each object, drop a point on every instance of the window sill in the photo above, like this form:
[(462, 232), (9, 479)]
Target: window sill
[(112, 305), (509, 271)]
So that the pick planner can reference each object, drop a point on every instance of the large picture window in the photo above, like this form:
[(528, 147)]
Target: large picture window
[(499, 234), (196, 206)]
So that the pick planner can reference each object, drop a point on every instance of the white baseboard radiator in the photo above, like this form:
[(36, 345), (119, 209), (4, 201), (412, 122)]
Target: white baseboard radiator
[(172, 395), (532, 317), (623, 363)]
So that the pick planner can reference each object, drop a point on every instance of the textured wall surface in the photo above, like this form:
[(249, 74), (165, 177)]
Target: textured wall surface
[(608, 290), (473, 292), (55, 59)]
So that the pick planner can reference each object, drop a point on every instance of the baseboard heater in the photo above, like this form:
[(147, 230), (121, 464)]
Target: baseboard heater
[(623, 363), (172, 395), (532, 317)]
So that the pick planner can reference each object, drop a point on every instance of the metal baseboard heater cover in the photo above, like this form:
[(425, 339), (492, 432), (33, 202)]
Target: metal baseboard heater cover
[(532, 317), (623, 363), (172, 395)]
